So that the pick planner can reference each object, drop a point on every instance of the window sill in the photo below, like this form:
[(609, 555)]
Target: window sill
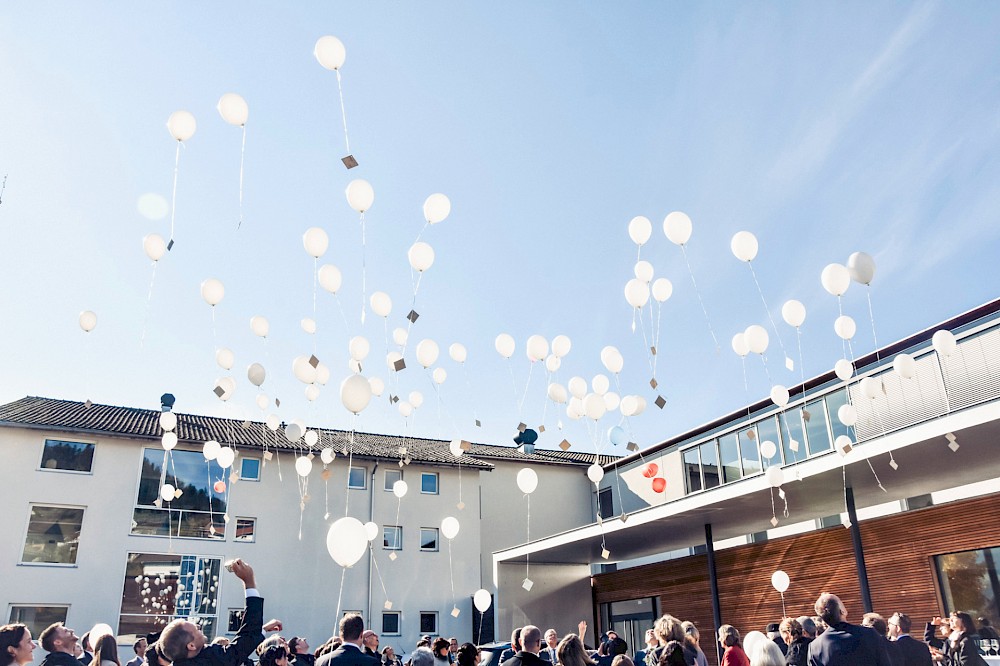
[(56, 565)]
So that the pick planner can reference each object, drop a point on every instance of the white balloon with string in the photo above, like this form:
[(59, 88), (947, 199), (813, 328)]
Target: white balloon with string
[(182, 126), (235, 111)]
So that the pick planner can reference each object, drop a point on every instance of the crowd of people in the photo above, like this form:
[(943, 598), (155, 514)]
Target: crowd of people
[(825, 639)]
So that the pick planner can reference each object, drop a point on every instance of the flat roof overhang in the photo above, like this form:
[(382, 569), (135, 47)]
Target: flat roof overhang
[(814, 488)]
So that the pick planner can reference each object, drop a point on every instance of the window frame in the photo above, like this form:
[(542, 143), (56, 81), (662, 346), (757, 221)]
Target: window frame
[(606, 510), (437, 483), (386, 486), (27, 527), (12, 606), (433, 614), (399, 542), (437, 540), (399, 623), (364, 478), (41, 457), (243, 461), (220, 524), (253, 538)]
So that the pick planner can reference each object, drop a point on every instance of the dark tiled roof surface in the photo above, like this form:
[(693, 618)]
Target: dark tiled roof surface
[(144, 424)]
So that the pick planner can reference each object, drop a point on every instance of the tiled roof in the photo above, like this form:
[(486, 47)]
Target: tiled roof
[(144, 424)]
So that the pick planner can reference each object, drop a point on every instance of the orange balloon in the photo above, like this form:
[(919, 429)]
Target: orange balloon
[(659, 484), (220, 486), (650, 471)]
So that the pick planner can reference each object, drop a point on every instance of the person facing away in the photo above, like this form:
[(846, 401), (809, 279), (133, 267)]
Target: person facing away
[(60, 643), (515, 646), (844, 644), (531, 643), (350, 651), (571, 652), (106, 651), (909, 651), (693, 639), (793, 634), (733, 655)]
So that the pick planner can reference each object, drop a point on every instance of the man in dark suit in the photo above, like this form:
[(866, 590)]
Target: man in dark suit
[(350, 652), (531, 643), (844, 644), (515, 646), (184, 644), (909, 650)]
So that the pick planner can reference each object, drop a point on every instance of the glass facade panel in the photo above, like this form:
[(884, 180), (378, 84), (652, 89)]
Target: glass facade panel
[(692, 470), (67, 456), (246, 529), (37, 618), (428, 538), (817, 427), (390, 623), (749, 454), (605, 503), (729, 453), (767, 431), (197, 513), (429, 483), (428, 622), (53, 535), (969, 582), (250, 469), (392, 537), (356, 478), (793, 440), (391, 477), (710, 464), (161, 587), (834, 401)]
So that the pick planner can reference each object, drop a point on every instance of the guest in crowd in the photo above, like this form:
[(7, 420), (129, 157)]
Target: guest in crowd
[(389, 657), (349, 652), (298, 652), (791, 632), (571, 652), (693, 640), (909, 651), (16, 646), (649, 647), (106, 651), (369, 639), (61, 643), (515, 646), (844, 644), (139, 647), (441, 648), (766, 653), (531, 643), (467, 655), (275, 655), (733, 655)]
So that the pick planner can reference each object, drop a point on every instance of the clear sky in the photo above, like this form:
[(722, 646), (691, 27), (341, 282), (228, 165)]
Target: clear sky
[(823, 128)]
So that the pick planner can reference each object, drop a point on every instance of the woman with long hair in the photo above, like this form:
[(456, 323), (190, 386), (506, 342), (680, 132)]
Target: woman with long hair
[(275, 655), (571, 653), (468, 655), (963, 644), (106, 651), (15, 645)]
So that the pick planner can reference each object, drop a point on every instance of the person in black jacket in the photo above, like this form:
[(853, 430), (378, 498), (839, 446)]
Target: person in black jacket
[(844, 644), (792, 633), (183, 642), (60, 643), (910, 651), (350, 652), (963, 649), (531, 643)]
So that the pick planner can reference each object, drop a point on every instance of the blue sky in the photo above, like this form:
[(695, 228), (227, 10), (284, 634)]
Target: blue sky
[(822, 128)]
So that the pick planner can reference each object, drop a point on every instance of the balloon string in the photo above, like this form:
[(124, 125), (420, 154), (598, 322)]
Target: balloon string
[(871, 316), (704, 310), (343, 574), (783, 613), (774, 515), (149, 301), (315, 280), (426, 224), (350, 463), (645, 340), (451, 574), (211, 489), (243, 150), (413, 307), (513, 383), (343, 115), (875, 411), (527, 383), (371, 550), (656, 337), (364, 268), (774, 326), (343, 315), (527, 526), (173, 196)]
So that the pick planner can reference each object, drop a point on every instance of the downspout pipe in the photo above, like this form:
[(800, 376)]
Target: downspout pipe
[(371, 551)]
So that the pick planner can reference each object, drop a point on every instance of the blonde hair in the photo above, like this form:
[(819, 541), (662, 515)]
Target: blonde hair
[(571, 653), (668, 628)]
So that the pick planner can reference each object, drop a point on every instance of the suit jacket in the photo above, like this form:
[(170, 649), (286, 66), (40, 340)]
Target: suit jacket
[(347, 655), (846, 644), (549, 654), (60, 659), (247, 639), (965, 652), (523, 658), (912, 652)]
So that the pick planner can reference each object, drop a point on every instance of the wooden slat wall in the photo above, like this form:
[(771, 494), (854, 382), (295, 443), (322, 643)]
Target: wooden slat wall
[(898, 555)]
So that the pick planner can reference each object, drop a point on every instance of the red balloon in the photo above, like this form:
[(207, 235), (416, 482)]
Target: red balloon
[(659, 484), (650, 471), (220, 486)]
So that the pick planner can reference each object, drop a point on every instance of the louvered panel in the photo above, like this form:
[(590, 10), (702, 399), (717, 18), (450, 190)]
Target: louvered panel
[(972, 373), (904, 401)]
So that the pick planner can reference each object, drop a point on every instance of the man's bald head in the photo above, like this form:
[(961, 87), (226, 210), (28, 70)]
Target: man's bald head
[(531, 638), (830, 608)]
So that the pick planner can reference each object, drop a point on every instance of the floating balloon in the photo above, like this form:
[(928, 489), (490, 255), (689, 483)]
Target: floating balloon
[(312, 392), (861, 268), (768, 449), (600, 384), (272, 422), (659, 484), (577, 387), (154, 246), (399, 488), (553, 363), (527, 480), (557, 393), (944, 342), (329, 278), (593, 406), (233, 109), (391, 358), (168, 441), (212, 291), (756, 338), (779, 395), (360, 195), (311, 438), (262, 401), (662, 290), (168, 421), (677, 228), (845, 327), (775, 476), (439, 375), (181, 125), (371, 531), (780, 581), (574, 408), (256, 374), (449, 527), (457, 352), (358, 348), (219, 486), (639, 230), (347, 541), (456, 448), (303, 370), (643, 271), (225, 457), (400, 336), (794, 313), (844, 369), (294, 432), (612, 359), (870, 387), (848, 415), (416, 399), (88, 320), (628, 405), (315, 241), (636, 293), (504, 345), (322, 374), (303, 466), (835, 279), (650, 470), (260, 326), (355, 393), (905, 366), (167, 492), (740, 345), (595, 473), (537, 348), (617, 435), (308, 325), (378, 386), (843, 444), (561, 346), (327, 455), (226, 386), (427, 353), (437, 207), (611, 400), (211, 449), (381, 303), (482, 599), (421, 256), (744, 246)]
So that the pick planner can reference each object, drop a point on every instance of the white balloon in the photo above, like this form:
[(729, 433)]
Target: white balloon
[(322, 374), (612, 359), (793, 312), (593, 406), (391, 358), (449, 527), (844, 369), (371, 531), (421, 256), (168, 421), (211, 449), (294, 432), (775, 476), (233, 109), (944, 342), (303, 370), (744, 246), (527, 480), (456, 448), (327, 455), (378, 386), (845, 327), (557, 393), (262, 401), (595, 473), (227, 385), (311, 438), (330, 53), (537, 348), (905, 366), (740, 344), (167, 492), (355, 393), (212, 291), (416, 399), (154, 246), (768, 449), (835, 279), (677, 227), (843, 444), (458, 352), (347, 541), (577, 387), (312, 392), (628, 405), (504, 345), (482, 600), (612, 401), (329, 278), (636, 293), (360, 195), (600, 384), (303, 465), (861, 267), (359, 347), (168, 441), (427, 352), (639, 230), (225, 457), (437, 207), (260, 326), (643, 271), (870, 387), (663, 289), (181, 125), (574, 408), (439, 375), (756, 338), (256, 374), (847, 414), (315, 241), (399, 488), (779, 395), (308, 325), (99, 631), (561, 346), (640, 405), (400, 336), (381, 303), (272, 422), (553, 363), (780, 581)]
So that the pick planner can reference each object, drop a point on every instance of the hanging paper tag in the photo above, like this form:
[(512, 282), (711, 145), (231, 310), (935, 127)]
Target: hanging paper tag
[(527, 584), (789, 364), (349, 161)]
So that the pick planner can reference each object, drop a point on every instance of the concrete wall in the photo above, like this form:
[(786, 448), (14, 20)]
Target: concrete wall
[(559, 598)]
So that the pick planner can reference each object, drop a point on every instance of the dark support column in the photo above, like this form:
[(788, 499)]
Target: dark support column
[(859, 551), (714, 587)]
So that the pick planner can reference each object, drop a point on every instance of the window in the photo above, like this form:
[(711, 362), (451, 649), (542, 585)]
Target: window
[(67, 456), (428, 622), (197, 513), (161, 587), (816, 427), (692, 468), (710, 464), (605, 503), (53, 535), (749, 454), (391, 477), (429, 483), (356, 478), (38, 617), (249, 469), (392, 537), (969, 582), (767, 431), (428, 538), (793, 439), (235, 620), (246, 529), (729, 452), (834, 401), (391, 623)]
